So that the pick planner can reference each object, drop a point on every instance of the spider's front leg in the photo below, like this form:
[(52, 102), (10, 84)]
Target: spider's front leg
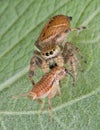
[(32, 69), (36, 61)]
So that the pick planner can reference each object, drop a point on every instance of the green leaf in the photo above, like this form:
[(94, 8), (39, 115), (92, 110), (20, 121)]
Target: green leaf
[(20, 24)]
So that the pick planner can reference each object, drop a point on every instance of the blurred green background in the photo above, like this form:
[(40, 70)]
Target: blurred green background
[(21, 22)]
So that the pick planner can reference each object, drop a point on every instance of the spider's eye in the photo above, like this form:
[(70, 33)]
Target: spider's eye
[(66, 70), (42, 53), (51, 52), (47, 54), (53, 49)]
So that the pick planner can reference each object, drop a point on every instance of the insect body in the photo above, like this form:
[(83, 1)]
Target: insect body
[(55, 31), (48, 86)]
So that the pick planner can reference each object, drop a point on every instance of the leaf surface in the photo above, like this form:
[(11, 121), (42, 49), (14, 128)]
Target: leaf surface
[(78, 108)]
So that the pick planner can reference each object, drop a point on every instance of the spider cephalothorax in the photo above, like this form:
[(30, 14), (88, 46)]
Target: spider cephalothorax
[(50, 51)]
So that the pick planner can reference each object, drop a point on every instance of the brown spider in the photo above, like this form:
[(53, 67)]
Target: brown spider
[(52, 55), (51, 52)]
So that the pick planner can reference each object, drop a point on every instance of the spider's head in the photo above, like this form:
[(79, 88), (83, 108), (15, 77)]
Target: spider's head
[(50, 51)]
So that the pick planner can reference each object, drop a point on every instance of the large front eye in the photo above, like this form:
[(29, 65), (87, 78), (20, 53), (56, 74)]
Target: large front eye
[(51, 52), (66, 70), (47, 54)]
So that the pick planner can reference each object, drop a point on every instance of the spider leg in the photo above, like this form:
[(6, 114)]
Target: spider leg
[(45, 66), (35, 61), (74, 48), (73, 67), (78, 62), (69, 55), (59, 60), (78, 29), (38, 44), (32, 69)]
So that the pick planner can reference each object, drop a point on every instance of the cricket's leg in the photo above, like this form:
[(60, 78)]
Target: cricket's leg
[(42, 104)]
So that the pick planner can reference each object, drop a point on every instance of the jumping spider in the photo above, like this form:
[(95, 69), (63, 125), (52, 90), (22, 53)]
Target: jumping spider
[(51, 51), (52, 55)]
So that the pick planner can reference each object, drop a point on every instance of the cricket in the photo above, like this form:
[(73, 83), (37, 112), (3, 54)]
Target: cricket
[(48, 86)]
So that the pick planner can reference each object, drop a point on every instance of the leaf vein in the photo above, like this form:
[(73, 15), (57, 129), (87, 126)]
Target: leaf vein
[(3, 125), (86, 22), (69, 103), (82, 12), (7, 29), (42, 127), (60, 123), (13, 79)]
